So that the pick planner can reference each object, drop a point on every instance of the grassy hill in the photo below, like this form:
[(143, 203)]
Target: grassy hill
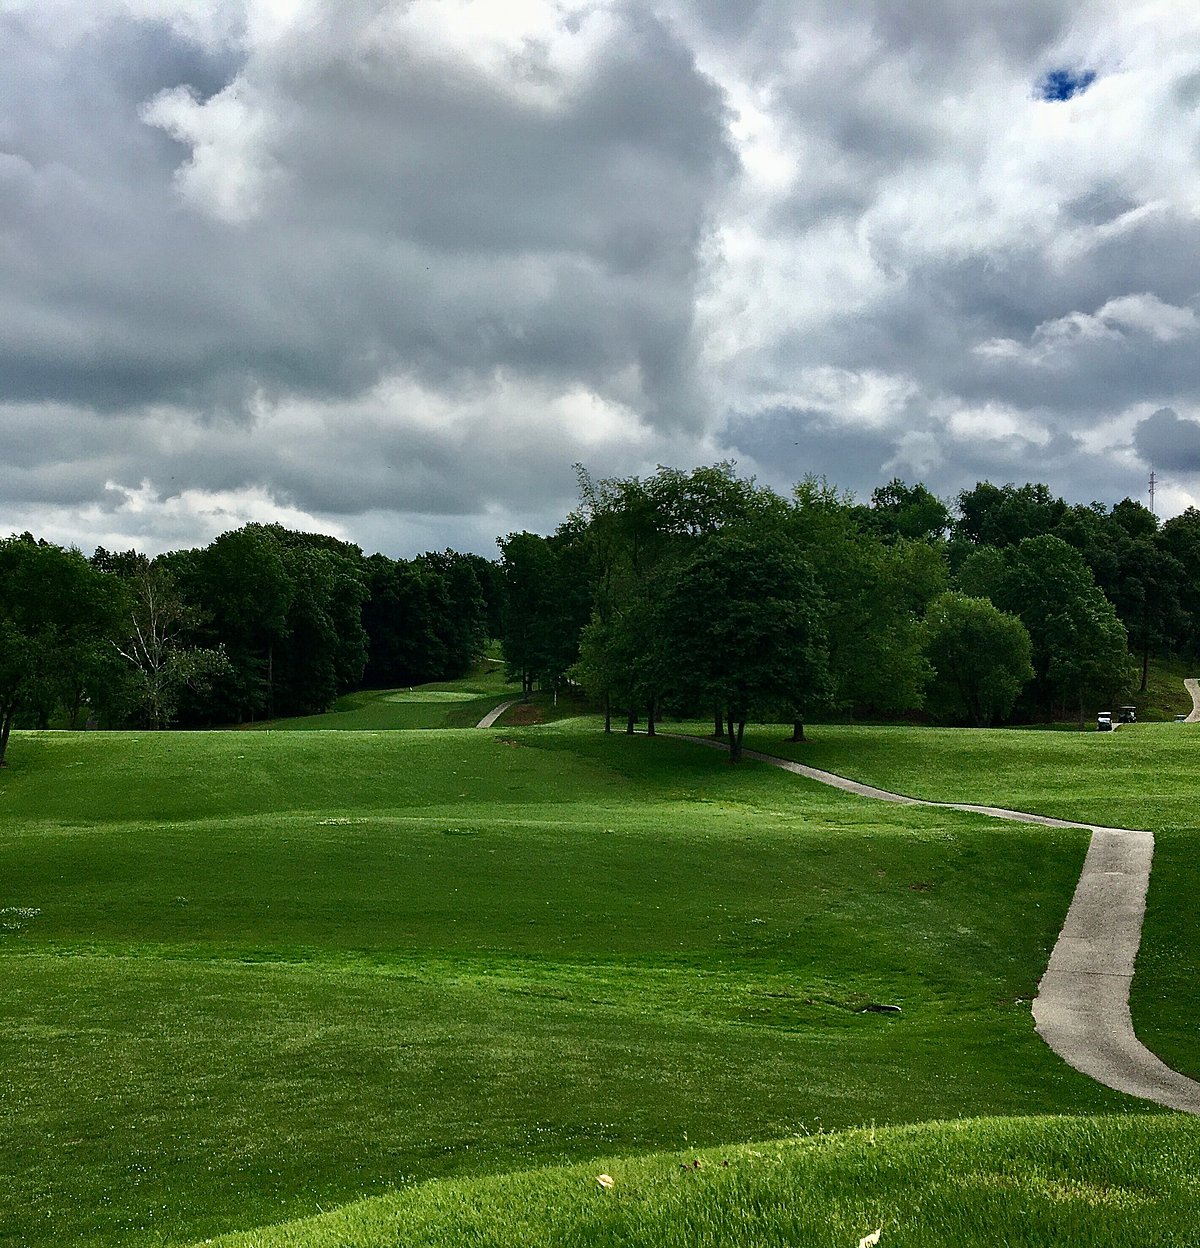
[(1021, 1182), (248, 976)]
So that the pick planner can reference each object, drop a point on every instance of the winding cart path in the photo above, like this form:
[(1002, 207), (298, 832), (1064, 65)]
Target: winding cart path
[(1193, 687), (490, 718), (1082, 1005)]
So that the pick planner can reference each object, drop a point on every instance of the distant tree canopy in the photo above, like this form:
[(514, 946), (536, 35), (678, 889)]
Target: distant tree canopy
[(699, 593)]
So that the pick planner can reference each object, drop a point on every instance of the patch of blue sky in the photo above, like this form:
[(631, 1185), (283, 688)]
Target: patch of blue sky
[(1063, 84)]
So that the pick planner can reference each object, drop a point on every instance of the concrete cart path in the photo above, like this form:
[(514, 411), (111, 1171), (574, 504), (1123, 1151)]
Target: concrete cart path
[(490, 718), (1193, 687), (1082, 1005)]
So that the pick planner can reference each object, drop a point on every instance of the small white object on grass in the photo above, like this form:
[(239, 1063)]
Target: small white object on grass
[(604, 1180), (869, 1241)]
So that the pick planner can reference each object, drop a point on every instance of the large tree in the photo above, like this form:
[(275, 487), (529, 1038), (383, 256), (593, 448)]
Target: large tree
[(156, 644), (980, 658), (740, 625), (876, 591), (1079, 644)]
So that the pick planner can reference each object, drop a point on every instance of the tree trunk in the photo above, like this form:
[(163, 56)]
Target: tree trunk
[(6, 719), (1081, 710), (1145, 666), (607, 713), (718, 723), (797, 730), (629, 723), (650, 718), (735, 741), (270, 679)]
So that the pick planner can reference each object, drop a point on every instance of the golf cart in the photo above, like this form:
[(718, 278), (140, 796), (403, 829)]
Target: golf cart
[(1127, 715), (1104, 722)]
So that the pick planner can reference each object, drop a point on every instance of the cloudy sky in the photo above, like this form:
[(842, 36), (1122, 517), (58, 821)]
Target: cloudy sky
[(388, 268)]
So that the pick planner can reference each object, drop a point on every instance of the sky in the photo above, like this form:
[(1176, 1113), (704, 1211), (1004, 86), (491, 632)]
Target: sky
[(388, 269)]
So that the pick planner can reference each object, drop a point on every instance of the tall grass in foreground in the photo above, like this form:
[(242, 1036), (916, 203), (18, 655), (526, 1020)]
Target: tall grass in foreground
[(1016, 1182)]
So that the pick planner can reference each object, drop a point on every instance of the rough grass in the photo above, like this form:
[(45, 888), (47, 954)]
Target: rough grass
[(1033, 1182), (247, 975), (1165, 695)]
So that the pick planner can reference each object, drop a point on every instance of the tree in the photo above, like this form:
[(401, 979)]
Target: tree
[(980, 657), (1180, 538), (458, 610), (991, 515), (155, 645), (900, 510), (325, 648), (242, 589), (739, 625), (1079, 645), (876, 595), (57, 614)]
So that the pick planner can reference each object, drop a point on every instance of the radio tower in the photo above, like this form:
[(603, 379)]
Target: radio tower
[(1153, 480)]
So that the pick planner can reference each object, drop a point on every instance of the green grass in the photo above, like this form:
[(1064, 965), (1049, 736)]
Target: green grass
[(244, 976), (448, 704), (1023, 1183), (1165, 695), (1142, 776)]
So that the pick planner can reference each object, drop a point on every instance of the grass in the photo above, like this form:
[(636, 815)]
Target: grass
[(1023, 1183), (1142, 776), (244, 976), (448, 704), (1165, 695)]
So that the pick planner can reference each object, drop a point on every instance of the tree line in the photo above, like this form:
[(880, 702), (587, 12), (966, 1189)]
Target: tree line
[(705, 593), (263, 622), (698, 593)]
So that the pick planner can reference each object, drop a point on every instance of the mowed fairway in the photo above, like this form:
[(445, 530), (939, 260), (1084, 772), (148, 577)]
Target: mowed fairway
[(455, 704), (1143, 776), (248, 976)]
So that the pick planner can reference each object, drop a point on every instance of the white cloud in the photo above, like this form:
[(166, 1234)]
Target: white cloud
[(231, 170), (1117, 321)]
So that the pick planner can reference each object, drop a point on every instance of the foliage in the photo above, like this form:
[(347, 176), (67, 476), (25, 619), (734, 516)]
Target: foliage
[(900, 510), (740, 625), (547, 599), (160, 662), (57, 617), (981, 658), (1079, 645), (876, 595)]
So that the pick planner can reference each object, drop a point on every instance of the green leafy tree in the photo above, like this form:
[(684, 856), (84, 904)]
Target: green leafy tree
[(325, 647), (547, 603), (876, 593), (57, 613), (155, 646), (740, 625), (1079, 644), (991, 515), (980, 658), (908, 511), (1180, 538)]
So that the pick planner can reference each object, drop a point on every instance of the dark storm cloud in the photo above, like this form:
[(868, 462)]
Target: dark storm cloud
[(395, 256), (1168, 442), (789, 444), (429, 222)]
